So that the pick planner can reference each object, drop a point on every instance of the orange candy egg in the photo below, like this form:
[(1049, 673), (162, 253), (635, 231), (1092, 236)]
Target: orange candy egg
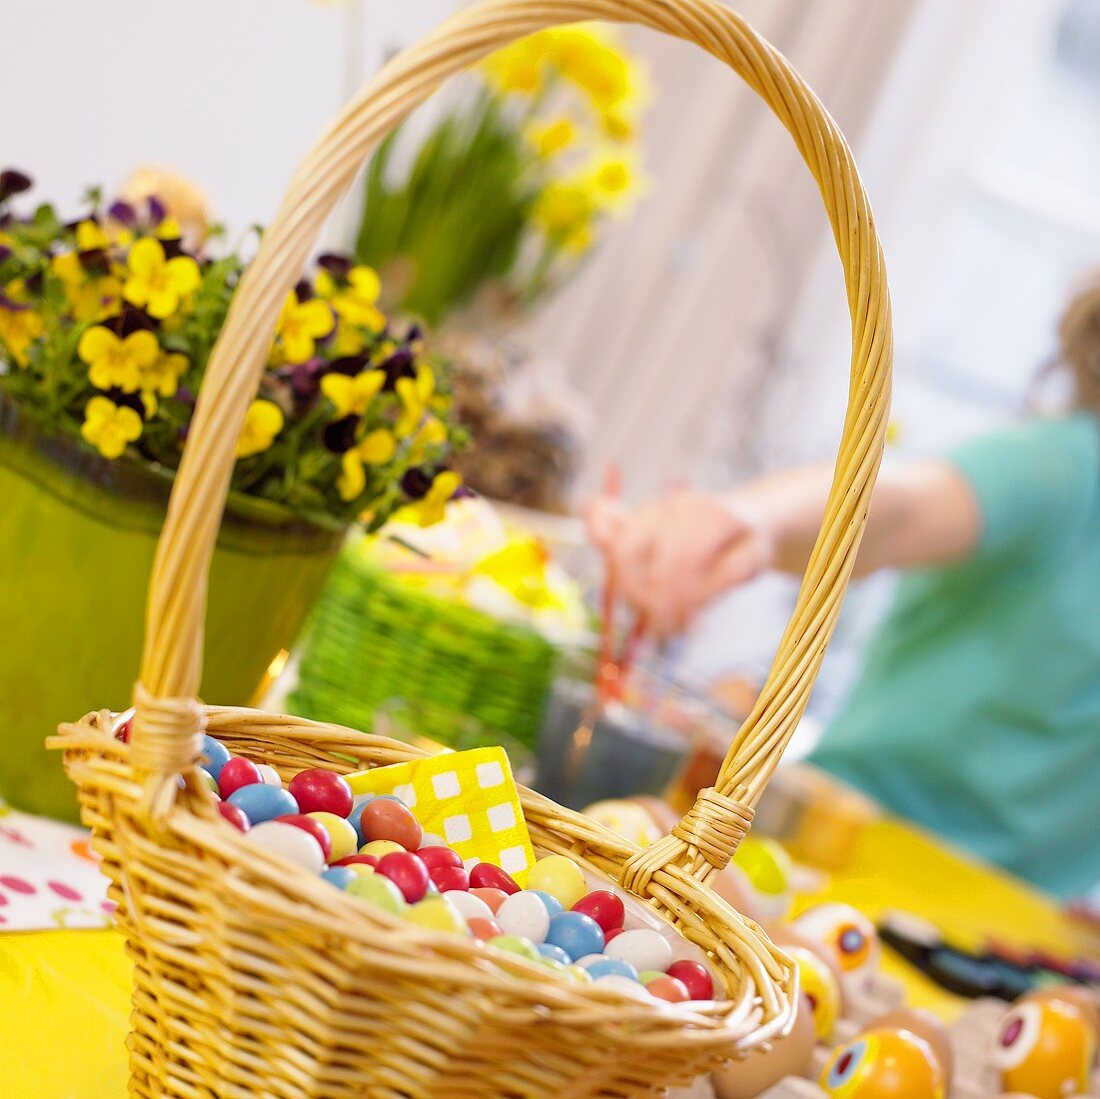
[(883, 1064), (1045, 1048)]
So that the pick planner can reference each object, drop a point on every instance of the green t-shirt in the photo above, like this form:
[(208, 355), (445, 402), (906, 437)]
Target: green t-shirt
[(977, 713)]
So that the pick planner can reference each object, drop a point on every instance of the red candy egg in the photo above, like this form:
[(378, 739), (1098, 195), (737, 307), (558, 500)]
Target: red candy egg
[(668, 988), (123, 731), (434, 857), (605, 907), (694, 977), (449, 877), (483, 929), (307, 824), (370, 860), (318, 791), (494, 898), (407, 872), (385, 819), (237, 772), (235, 815), (487, 876)]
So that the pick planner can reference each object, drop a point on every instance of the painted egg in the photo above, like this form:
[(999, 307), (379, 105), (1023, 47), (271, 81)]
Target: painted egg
[(314, 828), (379, 891), (627, 819), (1045, 1048), (559, 876), (434, 857), (216, 755), (236, 773), (553, 905), (487, 876), (449, 879), (819, 986), (782, 934), (767, 866), (235, 815), (340, 876), (385, 819), (761, 1069), (850, 937), (576, 934), (668, 988), (555, 953), (494, 898), (883, 1064), (695, 977), (643, 949), (525, 915), (605, 907), (483, 929), (290, 842), (270, 776), (320, 791), (1084, 999), (262, 802), (437, 914), (605, 966), (407, 872), (924, 1025)]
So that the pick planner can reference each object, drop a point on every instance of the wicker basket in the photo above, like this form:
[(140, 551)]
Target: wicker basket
[(253, 978)]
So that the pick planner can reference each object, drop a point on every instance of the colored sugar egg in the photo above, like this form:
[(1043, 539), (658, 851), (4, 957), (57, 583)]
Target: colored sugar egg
[(235, 815), (553, 965), (236, 773), (606, 966), (553, 905), (353, 820), (483, 929), (437, 914), (319, 791), (576, 933), (386, 819), (1045, 1048), (514, 944), (407, 872), (695, 978), (360, 869), (341, 833), (487, 876), (643, 949), (578, 975), (559, 876), (380, 848), (470, 906), (605, 907), (818, 984), (270, 776), (613, 933), (340, 876), (447, 879), (850, 938), (353, 860), (525, 915), (261, 802), (883, 1064), (494, 898), (623, 985), (548, 950), (648, 976), (294, 844), (216, 754), (313, 827), (434, 857), (585, 961), (210, 781), (668, 988), (379, 891)]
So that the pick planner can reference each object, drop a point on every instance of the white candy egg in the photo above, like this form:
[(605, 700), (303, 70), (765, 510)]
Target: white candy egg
[(469, 906), (624, 985), (588, 959), (269, 775), (524, 914), (643, 949), (289, 841)]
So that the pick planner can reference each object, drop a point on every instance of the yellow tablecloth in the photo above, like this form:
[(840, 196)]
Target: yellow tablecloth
[(65, 994)]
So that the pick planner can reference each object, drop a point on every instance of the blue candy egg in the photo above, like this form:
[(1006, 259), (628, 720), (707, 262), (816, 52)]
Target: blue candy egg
[(612, 967), (260, 802), (340, 876), (355, 814), (553, 905), (217, 754), (548, 950), (576, 933)]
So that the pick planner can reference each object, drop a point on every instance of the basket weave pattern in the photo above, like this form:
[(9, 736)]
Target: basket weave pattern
[(254, 978)]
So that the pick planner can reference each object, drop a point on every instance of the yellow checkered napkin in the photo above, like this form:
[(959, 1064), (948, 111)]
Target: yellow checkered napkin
[(468, 798)]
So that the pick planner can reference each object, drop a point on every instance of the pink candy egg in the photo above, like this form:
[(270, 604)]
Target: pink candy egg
[(694, 977), (668, 988), (407, 872), (487, 876), (235, 815), (319, 791), (237, 772), (605, 907), (494, 898), (483, 929), (386, 819)]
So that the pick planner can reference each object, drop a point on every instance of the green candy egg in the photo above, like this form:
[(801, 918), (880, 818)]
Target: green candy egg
[(379, 891), (516, 944)]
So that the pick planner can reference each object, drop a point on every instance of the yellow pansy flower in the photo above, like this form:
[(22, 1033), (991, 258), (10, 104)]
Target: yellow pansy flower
[(377, 448), (518, 68), (20, 326), (354, 299), (115, 362), (163, 376), (301, 324), (89, 236), (348, 340), (110, 427), (431, 509), (415, 395), (263, 421), (432, 433), (352, 396), (550, 138), (168, 229), (91, 297), (158, 284)]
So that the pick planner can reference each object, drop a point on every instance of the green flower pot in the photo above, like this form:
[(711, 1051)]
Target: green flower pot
[(77, 538)]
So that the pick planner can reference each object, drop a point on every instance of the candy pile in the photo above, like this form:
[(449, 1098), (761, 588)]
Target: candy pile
[(374, 848)]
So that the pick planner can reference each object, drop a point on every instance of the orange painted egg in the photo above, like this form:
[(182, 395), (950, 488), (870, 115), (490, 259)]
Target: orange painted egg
[(849, 936), (883, 1064), (924, 1025), (1045, 1048)]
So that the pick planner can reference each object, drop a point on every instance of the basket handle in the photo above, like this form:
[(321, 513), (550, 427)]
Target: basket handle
[(166, 735)]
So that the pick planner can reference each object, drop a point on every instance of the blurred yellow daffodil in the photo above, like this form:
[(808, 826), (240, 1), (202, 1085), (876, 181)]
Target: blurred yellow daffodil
[(263, 421), (110, 427), (158, 284), (20, 325), (586, 56), (550, 138), (564, 210), (376, 448), (431, 509), (354, 299), (518, 68), (301, 324), (415, 395), (615, 181), (352, 396), (115, 362)]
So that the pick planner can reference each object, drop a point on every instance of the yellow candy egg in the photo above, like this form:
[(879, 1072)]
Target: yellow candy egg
[(883, 1064), (1045, 1048), (820, 987), (437, 914), (559, 876), (378, 848), (362, 869), (342, 834)]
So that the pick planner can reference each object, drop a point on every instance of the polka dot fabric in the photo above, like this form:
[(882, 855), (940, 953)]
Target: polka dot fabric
[(467, 798)]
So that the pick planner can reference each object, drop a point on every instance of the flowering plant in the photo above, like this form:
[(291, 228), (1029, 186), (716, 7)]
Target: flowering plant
[(509, 189), (107, 325)]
